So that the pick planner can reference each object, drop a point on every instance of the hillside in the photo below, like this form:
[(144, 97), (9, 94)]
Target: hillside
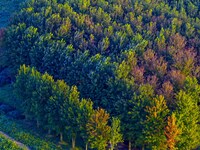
[(108, 71)]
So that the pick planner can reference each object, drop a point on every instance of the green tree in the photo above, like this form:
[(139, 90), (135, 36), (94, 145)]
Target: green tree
[(60, 92), (86, 110), (42, 94), (134, 115), (98, 129), (23, 89), (115, 136), (70, 113), (155, 123), (187, 113)]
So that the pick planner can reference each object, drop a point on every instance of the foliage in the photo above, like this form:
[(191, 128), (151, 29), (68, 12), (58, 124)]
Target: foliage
[(6, 143), (116, 136), (155, 123), (187, 113), (172, 132), (98, 129), (25, 135), (118, 53)]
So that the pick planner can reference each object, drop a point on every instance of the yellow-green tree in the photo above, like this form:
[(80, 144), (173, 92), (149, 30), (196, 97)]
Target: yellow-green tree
[(98, 129)]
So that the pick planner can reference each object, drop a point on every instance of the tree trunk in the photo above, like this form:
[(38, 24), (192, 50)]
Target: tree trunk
[(86, 146), (73, 142), (111, 147), (142, 147), (38, 124), (61, 137), (129, 145), (49, 131)]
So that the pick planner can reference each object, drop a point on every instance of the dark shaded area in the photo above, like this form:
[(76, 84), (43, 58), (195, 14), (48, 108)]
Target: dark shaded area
[(7, 7)]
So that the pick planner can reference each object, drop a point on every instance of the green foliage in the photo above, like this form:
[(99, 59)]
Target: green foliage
[(187, 113), (134, 115), (86, 111), (25, 135), (116, 136), (53, 104), (120, 54), (6, 143), (60, 92), (98, 129), (155, 122)]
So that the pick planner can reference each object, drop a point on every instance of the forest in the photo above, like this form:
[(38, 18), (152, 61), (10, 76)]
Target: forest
[(101, 73)]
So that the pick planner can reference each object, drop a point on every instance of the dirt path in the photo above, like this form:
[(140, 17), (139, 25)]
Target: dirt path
[(18, 143)]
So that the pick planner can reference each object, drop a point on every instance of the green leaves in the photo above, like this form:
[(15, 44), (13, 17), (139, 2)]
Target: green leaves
[(154, 123), (187, 113), (98, 129), (115, 135)]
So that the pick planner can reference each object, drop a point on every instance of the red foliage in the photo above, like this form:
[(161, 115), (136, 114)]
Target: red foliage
[(138, 74), (177, 78), (167, 90), (177, 43), (184, 60), (152, 80), (154, 64)]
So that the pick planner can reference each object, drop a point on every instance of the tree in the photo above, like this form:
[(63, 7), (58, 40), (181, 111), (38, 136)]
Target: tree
[(70, 113), (154, 123), (98, 129), (192, 88), (40, 97), (134, 114), (86, 110), (172, 132), (187, 113), (24, 90), (116, 136), (60, 92)]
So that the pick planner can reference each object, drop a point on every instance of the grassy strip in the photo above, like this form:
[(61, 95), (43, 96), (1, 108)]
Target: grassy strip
[(7, 144), (20, 133)]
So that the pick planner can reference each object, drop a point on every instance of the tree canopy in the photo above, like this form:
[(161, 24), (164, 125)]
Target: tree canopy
[(136, 60)]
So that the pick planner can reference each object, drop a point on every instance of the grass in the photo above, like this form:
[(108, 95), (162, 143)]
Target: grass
[(23, 131), (18, 129), (26, 135), (7, 144)]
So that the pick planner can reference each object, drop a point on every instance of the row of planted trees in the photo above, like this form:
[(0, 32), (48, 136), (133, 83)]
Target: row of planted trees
[(55, 106), (147, 121)]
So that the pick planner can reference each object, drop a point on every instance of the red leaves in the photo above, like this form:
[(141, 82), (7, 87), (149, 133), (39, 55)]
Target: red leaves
[(153, 63)]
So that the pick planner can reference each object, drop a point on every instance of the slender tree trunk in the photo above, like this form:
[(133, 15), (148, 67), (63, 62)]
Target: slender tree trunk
[(49, 131), (73, 142), (129, 145), (86, 146), (26, 117), (111, 147), (142, 147), (61, 137), (38, 124)]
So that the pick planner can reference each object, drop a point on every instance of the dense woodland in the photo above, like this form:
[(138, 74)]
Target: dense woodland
[(109, 71)]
